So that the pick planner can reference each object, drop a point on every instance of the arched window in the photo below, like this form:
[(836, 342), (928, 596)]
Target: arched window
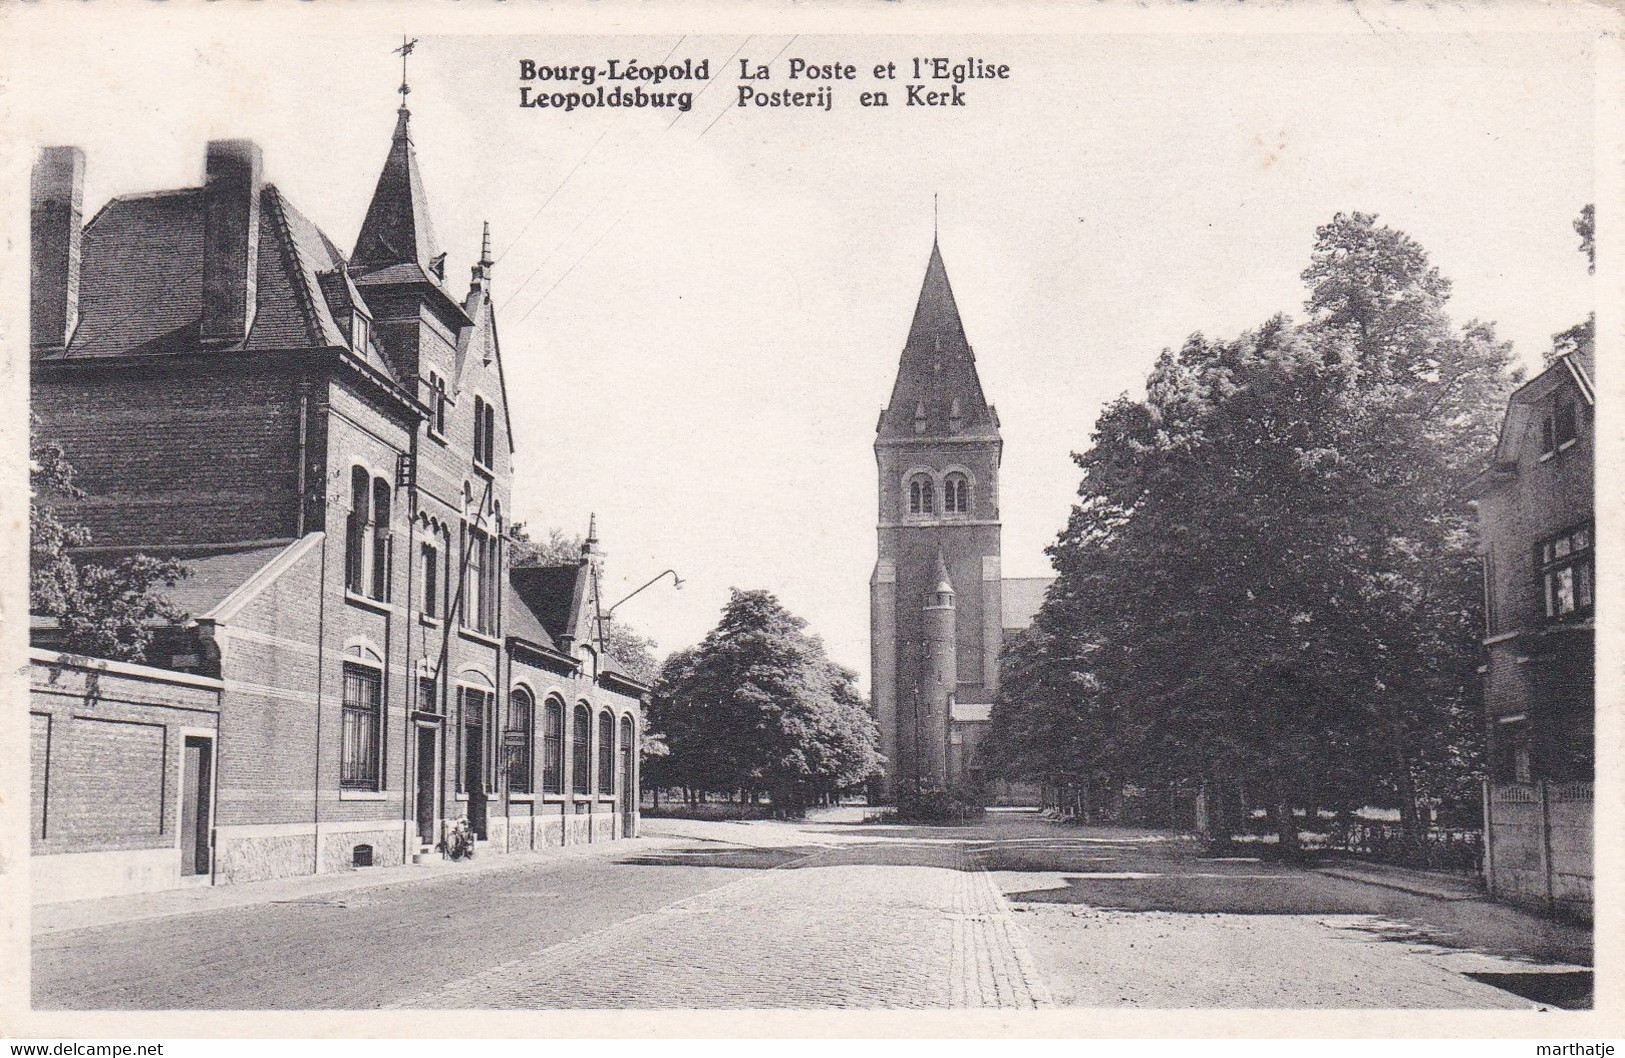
[(361, 727), (922, 494), (380, 538), (581, 751), (355, 531), (606, 753), (956, 494), (628, 772), (522, 726), (553, 747)]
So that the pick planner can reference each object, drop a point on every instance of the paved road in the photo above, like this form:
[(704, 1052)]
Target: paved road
[(1012, 913)]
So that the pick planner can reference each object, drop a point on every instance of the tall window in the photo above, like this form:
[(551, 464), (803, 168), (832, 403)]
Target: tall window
[(355, 530), (488, 425), (431, 580), (485, 430), (1567, 566), (476, 759), (521, 721), (480, 580), (358, 756), (366, 536), (553, 747), (921, 494), (628, 748), (581, 751), (437, 404), (606, 753), (956, 494), (380, 538)]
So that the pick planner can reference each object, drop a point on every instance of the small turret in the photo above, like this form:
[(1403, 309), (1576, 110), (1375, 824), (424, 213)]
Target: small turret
[(939, 677)]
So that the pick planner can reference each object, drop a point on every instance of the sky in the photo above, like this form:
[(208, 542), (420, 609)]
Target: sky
[(701, 313)]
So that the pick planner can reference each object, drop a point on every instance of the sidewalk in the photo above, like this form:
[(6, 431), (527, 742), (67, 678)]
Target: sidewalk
[(1436, 884), (112, 910)]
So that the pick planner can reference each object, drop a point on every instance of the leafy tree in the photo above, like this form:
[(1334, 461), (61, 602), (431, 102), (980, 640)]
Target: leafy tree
[(757, 705), (1585, 226), (1267, 587), (1583, 335), (104, 610), (558, 548)]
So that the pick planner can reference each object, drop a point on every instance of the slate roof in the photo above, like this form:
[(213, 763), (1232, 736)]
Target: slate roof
[(397, 230), (937, 373), (549, 593), (141, 280), (554, 600), (522, 620), (212, 573), (1574, 368)]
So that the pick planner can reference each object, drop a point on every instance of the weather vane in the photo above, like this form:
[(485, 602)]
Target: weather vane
[(403, 51)]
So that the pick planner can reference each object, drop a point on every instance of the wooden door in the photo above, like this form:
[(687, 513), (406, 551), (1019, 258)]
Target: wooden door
[(196, 801), (426, 785)]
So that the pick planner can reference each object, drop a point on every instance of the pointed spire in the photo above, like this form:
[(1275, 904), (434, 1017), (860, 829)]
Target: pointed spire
[(937, 370), (397, 229), (589, 546), (482, 270), (945, 584)]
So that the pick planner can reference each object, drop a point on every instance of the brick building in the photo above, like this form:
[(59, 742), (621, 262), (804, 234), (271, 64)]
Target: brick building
[(940, 607), (324, 441), (1539, 556)]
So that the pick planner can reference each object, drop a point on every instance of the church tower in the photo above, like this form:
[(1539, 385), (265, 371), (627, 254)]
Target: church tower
[(936, 621)]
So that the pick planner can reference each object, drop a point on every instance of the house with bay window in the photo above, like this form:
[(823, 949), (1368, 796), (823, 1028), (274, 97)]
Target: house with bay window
[(324, 441), (1538, 540)]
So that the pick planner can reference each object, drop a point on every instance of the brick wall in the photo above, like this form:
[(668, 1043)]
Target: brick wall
[(909, 544), (105, 752), (204, 454)]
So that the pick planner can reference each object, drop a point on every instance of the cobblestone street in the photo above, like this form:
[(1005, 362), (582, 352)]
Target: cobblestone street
[(1012, 913)]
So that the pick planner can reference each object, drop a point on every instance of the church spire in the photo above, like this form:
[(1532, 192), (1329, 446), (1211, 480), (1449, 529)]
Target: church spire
[(937, 392), (397, 229)]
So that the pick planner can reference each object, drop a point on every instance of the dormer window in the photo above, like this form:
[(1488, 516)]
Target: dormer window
[(1560, 427), (922, 493), (360, 332)]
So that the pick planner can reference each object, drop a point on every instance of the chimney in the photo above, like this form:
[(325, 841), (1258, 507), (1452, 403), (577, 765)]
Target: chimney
[(56, 199), (231, 239)]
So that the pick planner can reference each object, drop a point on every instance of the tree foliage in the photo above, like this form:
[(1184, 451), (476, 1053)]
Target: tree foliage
[(1583, 335), (758, 706), (1268, 584), (104, 610)]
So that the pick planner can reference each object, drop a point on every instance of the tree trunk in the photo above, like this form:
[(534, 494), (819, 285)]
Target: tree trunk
[(1286, 828)]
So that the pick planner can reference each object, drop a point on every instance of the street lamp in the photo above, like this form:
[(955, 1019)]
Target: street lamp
[(676, 581)]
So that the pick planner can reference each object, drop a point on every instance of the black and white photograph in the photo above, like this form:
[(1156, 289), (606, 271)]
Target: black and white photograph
[(1084, 524)]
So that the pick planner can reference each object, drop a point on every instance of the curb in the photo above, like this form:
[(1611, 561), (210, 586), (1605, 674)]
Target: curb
[(172, 903)]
